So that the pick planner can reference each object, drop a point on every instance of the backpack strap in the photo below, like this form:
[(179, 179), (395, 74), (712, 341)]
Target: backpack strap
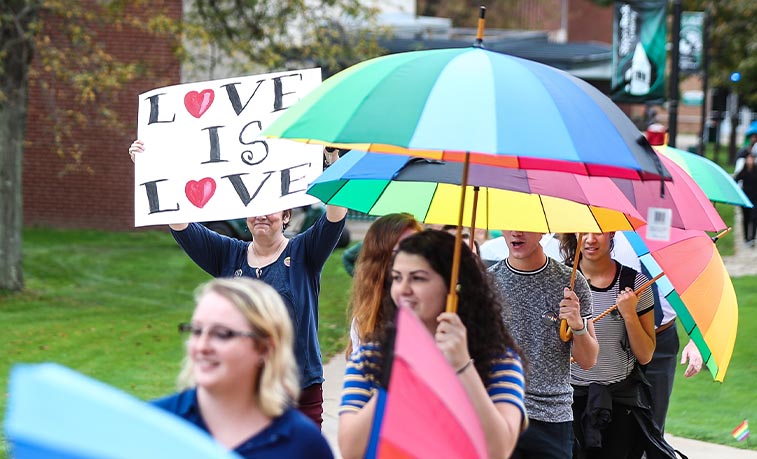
[(627, 277)]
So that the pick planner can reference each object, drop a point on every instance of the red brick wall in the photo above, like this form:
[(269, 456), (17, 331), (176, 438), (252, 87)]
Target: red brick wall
[(99, 193), (589, 22)]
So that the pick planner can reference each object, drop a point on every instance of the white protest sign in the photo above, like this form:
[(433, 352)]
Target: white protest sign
[(204, 159)]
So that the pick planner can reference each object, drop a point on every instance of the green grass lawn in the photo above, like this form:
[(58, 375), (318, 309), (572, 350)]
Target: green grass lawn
[(107, 305), (709, 411)]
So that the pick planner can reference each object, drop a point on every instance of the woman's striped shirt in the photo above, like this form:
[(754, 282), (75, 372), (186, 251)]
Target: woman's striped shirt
[(616, 359), (505, 382)]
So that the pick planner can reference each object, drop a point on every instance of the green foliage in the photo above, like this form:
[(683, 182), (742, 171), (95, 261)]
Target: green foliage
[(77, 75), (733, 44), (243, 36)]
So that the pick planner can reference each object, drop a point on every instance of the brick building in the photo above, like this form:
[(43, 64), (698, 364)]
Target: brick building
[(97, 191)]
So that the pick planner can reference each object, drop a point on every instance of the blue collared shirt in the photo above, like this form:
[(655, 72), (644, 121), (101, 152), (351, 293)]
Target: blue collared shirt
[(291, 435), (296, 276)]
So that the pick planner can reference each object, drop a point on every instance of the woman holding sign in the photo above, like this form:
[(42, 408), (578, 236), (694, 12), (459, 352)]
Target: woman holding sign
[(292, 266)]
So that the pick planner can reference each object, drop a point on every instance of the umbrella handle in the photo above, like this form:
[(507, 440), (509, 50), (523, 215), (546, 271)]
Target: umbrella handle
[(565, 332), (569, 333)]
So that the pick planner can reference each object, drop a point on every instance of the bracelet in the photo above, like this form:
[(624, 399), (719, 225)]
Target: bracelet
[(464, 367), (583, 330)]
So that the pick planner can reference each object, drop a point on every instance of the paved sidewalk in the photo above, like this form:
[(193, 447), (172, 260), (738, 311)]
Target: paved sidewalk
[(744, 258), (334, 370)]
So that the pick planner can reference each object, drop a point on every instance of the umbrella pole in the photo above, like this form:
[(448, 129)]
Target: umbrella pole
[(637, 292), (472, 241), (452, 295), (565, 333)]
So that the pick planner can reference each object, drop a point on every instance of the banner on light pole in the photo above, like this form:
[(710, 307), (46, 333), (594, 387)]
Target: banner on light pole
[(639, 54), (690, 44)]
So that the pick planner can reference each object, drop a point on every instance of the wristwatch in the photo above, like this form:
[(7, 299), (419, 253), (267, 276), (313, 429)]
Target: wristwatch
[(584, 330)]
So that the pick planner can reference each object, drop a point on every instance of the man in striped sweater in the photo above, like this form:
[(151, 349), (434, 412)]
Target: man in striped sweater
[(535, 292)]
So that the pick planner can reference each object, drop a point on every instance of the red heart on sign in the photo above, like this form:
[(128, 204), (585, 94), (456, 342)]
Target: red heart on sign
[(198, 103), (200, 192)]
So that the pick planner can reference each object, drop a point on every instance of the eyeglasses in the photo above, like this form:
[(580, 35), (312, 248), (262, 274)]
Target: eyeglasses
[(215, 333)]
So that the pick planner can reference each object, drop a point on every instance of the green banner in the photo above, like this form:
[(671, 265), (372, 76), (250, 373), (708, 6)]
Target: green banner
[(638, 58), (690, 44)]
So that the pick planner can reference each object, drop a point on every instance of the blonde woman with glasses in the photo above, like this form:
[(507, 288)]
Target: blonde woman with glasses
[(239, 377)]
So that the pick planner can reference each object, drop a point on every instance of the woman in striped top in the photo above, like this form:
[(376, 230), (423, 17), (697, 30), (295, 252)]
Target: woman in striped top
[(474, 341), (611, 409)]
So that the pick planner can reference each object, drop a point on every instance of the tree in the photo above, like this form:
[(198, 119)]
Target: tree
[(278, 34), (72, 64), (733, 44), (16, 51)]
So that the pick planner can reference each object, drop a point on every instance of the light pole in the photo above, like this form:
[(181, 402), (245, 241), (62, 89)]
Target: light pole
[(733, 111), (673, 95)]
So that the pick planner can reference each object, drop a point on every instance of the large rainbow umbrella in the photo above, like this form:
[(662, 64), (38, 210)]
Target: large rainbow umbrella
[(515, 199), (497, 198), (473, 106), (499, 109), (698, 287)]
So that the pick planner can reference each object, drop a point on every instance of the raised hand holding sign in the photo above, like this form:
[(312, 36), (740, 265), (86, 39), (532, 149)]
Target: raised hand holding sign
[(204, 159)]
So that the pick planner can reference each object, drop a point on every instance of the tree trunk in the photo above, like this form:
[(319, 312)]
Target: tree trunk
[(17, 45)]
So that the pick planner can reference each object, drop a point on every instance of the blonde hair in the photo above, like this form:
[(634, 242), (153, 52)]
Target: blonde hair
[(277, 386)]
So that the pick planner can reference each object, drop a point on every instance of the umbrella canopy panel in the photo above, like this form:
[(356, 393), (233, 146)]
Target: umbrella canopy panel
[(425, 413), (716, 183), (691, 209)]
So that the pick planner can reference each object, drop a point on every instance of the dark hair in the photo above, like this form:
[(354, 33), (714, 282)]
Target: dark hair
[(569, 246), (479, 306), (284, 226)]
